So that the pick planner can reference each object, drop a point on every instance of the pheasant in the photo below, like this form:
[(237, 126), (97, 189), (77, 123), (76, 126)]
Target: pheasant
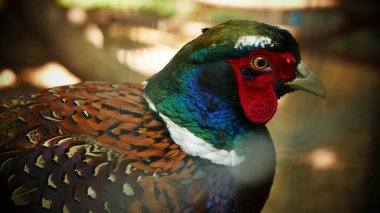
[(192, 138)]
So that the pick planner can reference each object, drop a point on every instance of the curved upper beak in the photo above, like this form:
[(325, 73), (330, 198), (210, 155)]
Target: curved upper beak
[(307, 81)]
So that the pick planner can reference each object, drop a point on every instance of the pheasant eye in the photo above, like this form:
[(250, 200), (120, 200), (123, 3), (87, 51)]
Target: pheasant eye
[(260, 63)]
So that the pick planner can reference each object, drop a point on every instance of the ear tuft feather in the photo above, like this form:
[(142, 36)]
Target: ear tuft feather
[(205, 29)]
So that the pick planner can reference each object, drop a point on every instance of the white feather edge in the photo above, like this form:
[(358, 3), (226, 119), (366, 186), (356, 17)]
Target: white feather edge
[(250, 40), (144, 83), (196, 146)]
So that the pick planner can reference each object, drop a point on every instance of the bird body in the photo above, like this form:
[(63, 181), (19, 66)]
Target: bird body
[(191, 139), (68, 156)]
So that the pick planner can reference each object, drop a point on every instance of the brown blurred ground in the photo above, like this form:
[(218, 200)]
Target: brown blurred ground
[(328, 152)]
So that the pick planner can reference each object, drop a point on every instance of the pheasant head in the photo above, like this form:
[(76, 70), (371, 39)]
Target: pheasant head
[(225, 81)]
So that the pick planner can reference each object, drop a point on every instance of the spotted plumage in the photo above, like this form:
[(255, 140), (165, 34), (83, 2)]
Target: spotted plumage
[(191, 139), (90, 160)]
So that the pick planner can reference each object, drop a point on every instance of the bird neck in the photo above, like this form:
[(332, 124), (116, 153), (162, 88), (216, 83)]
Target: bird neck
[(201, 109)]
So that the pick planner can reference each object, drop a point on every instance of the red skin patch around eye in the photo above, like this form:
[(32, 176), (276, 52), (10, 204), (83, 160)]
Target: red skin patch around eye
[(257, 96)]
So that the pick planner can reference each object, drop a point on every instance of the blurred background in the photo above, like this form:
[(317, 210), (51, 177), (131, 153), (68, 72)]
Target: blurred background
[(328, 152)]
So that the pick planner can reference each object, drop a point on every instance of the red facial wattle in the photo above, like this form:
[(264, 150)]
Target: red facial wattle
[(257, 96)]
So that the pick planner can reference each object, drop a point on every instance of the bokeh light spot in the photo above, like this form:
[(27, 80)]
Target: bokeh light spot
[(323, 158), (49, 75), (7, 78), (76, 15), (94, 35)]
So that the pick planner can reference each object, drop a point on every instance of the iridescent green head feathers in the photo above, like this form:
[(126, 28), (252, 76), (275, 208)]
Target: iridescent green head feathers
[(233, 39)]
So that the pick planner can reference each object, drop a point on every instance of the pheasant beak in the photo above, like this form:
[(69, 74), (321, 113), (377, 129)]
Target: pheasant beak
[(307, 81)]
